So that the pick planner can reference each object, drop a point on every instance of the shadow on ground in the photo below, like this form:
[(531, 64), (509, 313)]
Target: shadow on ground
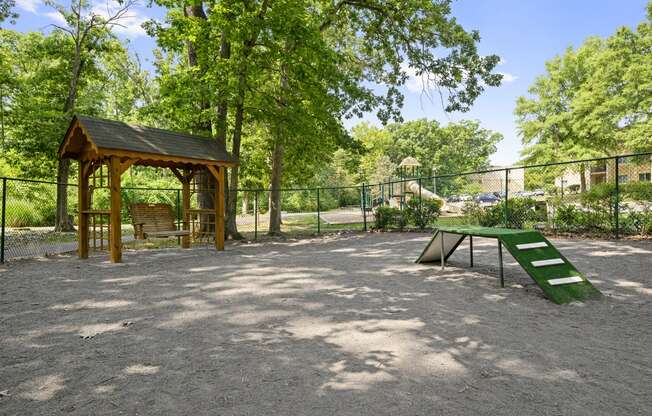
[(339, 325)]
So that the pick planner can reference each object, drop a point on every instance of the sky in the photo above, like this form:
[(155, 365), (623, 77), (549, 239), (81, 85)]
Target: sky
[(524, 33)]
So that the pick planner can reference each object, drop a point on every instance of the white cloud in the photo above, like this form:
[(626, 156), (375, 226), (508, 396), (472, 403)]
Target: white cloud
[(130, 24), (508, 78), (56, 17), (415, 83), (28, 5)]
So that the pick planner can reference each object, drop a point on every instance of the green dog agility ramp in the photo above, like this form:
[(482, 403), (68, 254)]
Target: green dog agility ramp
[(557, 277)]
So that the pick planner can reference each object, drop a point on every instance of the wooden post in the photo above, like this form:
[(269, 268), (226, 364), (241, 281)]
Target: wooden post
[(115, 236), (185, 198), (219, 209), (82, 206)]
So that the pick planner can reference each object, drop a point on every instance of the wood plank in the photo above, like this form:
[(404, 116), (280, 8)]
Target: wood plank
[(185, 198), (145, 158), (219, 208), (83, 202), (115, 232)]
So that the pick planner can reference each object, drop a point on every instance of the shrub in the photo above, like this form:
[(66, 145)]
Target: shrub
[(639, 223), (520, 211), (388, 217), (483, 216), (422, 212), (638, 191), (22, 213), (567, 218)]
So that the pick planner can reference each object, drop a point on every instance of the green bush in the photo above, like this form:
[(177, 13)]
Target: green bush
[(636, 223), (568, 218), (638, 191), (22, 213), (422, 212), (520, 212), (388, 217)]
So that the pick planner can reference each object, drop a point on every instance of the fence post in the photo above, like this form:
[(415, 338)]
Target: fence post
[(420, 202), (318, 214), (178, 214), (617, 200), (256, 215), (2, 220), (364, 208), (506, 198)]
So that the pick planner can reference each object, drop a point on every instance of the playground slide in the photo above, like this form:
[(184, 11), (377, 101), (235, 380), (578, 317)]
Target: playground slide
[(426, 194)]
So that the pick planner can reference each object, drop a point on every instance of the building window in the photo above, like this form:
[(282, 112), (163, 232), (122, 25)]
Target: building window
[(644, 177), (623, 178)]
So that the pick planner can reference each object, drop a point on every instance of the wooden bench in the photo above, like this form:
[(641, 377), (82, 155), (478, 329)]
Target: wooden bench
[(154, 221)]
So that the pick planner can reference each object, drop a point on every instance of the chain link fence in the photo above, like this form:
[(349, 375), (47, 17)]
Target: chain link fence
[(596, 198)]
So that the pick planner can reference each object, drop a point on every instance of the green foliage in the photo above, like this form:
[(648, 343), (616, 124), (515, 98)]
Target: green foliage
[(636, 223), (6, 11), (462, 146), (23, 213), (638, 191), (592, 101), (386, 218), (34, 87), (521, 212), (422, 212)]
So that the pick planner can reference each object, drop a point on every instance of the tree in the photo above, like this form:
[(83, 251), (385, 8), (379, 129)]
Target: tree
[(374, 42), (547, 120), (613, 109), (34, 78), (6, 11), (595, 100), (89, 32), (457, 147)]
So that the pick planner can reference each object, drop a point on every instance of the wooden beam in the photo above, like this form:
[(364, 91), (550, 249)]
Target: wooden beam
[(185, 198), (178, 174), (116, 232), (144, 158), (125, 165), (83, 206), (219, 209)]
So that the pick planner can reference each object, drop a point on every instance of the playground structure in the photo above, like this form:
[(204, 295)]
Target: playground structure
[(555, 274), (408, 186), (98, 144)]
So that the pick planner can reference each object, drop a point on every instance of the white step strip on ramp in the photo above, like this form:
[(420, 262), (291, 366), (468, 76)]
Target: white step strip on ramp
[(565, 280), (550, 262), (531, 245)]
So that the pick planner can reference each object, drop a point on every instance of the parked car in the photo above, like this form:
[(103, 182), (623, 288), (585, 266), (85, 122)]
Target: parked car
[(537, 192), (487, 199), (453, 198), (465, 198)]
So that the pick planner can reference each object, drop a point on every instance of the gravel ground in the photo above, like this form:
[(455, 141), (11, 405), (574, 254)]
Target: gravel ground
[(339, 325)]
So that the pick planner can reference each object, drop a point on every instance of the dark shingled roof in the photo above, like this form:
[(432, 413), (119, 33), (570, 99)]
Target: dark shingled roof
[(117, 135)]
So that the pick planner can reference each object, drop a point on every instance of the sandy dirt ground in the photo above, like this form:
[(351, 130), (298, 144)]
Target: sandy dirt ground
[(345, 325)]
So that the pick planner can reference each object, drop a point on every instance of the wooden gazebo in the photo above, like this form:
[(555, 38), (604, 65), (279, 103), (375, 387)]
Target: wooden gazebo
[(95, 142)]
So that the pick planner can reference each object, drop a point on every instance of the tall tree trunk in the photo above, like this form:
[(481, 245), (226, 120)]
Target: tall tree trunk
[(582, 177), (275, 219), (275, 193), (62, 221), (231, 226)]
